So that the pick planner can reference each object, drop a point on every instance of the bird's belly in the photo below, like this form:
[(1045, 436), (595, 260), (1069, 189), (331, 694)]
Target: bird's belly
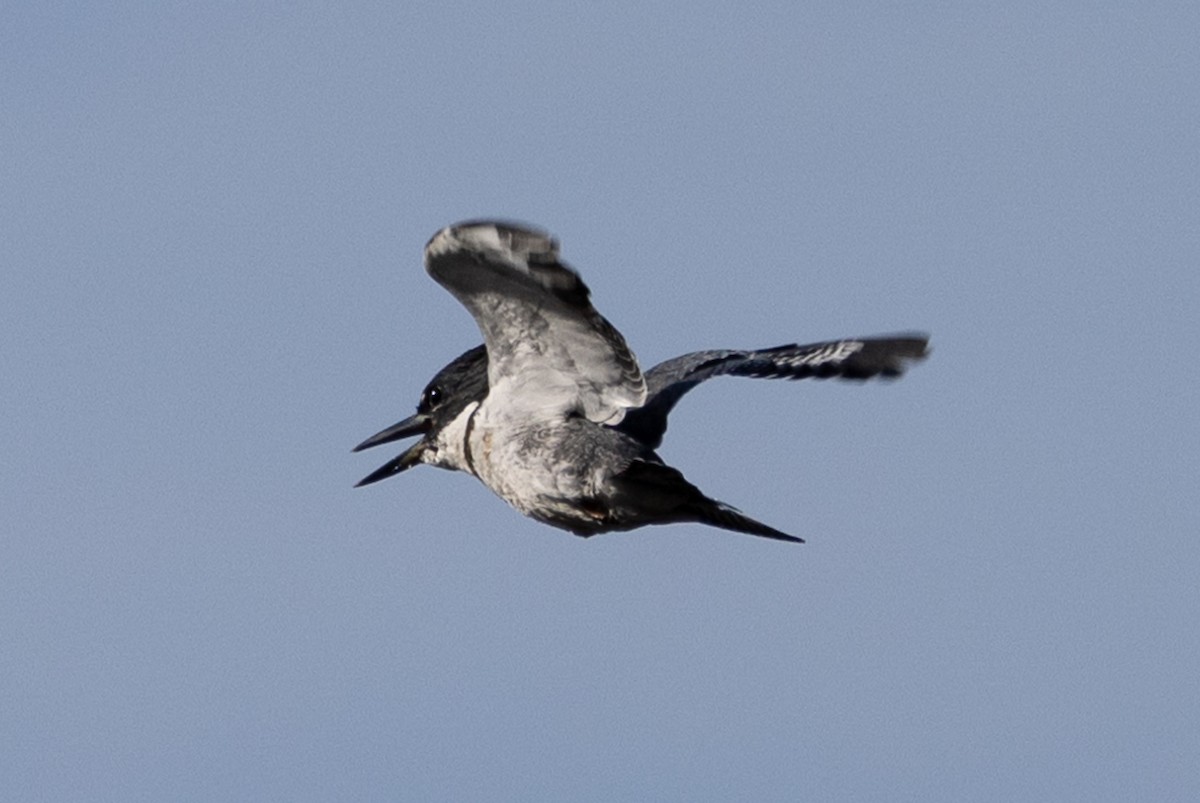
[(527, 469)]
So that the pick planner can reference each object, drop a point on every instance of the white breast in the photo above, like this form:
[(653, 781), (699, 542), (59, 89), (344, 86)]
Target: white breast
[(448, 449), (514, 457)]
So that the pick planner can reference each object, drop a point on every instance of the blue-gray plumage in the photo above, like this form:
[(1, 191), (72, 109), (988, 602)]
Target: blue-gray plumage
[(553, 414)]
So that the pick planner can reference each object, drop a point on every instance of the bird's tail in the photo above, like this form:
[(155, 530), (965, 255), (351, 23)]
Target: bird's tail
[(727, 517), (662, 495)]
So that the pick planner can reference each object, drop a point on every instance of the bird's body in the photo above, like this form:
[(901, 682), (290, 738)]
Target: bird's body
[(553, 413), (558, 472)]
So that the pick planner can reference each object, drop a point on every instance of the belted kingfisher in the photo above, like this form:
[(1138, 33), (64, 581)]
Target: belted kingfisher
[(554, 415)]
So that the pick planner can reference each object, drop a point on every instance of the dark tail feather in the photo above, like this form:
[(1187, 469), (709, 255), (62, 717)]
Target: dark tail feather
[(719, 514), (662, 495)]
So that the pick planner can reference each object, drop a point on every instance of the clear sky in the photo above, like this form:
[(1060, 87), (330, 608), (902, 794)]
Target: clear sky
[(211, 289)]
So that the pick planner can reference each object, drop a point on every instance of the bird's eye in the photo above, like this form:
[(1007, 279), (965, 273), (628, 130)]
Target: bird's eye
[(431, 398)]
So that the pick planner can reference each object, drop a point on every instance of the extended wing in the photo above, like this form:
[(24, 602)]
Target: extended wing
[(852, 358), (548, 348)]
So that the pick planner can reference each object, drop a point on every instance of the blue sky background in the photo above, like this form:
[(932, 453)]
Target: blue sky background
[(213, 217)]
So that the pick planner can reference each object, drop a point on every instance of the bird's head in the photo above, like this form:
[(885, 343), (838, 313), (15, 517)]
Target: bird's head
[(461, 383)]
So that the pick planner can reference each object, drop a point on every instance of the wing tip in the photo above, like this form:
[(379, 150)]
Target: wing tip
[(492, 235)]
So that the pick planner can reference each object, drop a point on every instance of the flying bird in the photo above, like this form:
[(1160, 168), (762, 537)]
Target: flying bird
[(553, 413)]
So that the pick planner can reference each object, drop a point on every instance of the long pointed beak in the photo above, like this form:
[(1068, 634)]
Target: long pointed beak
[(402, 462), (417, 424)]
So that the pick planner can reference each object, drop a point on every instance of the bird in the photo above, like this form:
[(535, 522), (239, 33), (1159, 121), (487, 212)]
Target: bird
[(552, 412)]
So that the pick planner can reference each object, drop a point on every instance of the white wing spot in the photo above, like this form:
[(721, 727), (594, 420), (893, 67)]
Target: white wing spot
[(833, 353)]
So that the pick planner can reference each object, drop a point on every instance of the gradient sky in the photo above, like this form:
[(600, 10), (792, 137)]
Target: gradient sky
[(213, 217)]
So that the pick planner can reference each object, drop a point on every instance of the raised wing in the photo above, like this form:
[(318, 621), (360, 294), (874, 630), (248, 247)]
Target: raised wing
[(548, 348), (852, 358)]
